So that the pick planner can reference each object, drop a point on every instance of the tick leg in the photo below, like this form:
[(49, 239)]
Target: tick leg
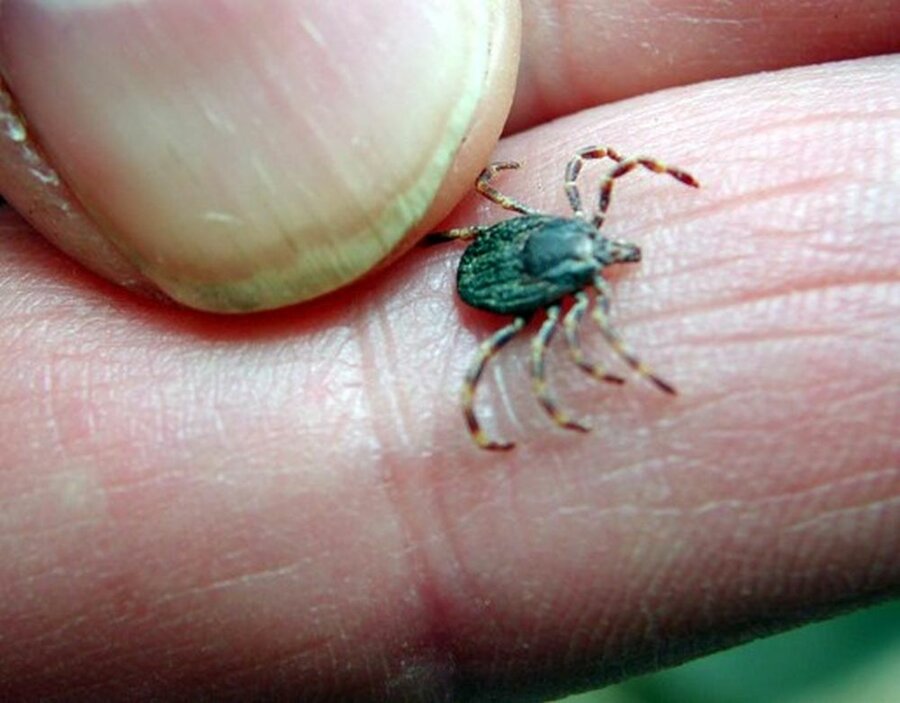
[(452, 234), (539, 382), (486, 351), (570, 326), (483, 186), (628, 165), (573, 168), (601, 315)]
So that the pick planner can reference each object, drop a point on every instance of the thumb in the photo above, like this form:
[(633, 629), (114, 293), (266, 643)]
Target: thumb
[(241, 156)]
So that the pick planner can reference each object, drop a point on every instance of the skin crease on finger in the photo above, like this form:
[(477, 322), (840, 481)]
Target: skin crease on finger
[(290, 502)]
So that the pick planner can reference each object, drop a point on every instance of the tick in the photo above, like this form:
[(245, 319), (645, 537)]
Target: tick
[(537, 261)]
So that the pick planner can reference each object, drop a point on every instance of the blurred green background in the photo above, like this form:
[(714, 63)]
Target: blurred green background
[(851, 659)]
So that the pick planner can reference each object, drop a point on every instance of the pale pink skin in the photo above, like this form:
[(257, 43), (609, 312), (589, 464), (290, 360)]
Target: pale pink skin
[(289, 503)]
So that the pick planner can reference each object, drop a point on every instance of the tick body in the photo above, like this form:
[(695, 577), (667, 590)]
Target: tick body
[(536, 262)]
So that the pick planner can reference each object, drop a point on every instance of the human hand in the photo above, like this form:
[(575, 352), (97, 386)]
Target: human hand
[(288, 503)]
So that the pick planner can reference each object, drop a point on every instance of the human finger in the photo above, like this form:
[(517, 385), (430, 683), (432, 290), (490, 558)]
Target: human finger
[(241, 156), (589, 52), (289, 503)]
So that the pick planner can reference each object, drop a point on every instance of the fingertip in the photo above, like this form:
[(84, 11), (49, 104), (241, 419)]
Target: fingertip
[(475, 150), (257, 159)]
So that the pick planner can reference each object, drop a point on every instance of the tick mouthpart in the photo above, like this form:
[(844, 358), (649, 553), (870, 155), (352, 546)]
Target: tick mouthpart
[(624, 252)]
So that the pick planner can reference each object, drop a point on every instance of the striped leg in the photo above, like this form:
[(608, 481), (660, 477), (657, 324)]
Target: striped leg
[(573, 168), (462, 233), (486, 351), (601, 315), (538, 378), (570, 325), (482, 185), (628, 165)]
